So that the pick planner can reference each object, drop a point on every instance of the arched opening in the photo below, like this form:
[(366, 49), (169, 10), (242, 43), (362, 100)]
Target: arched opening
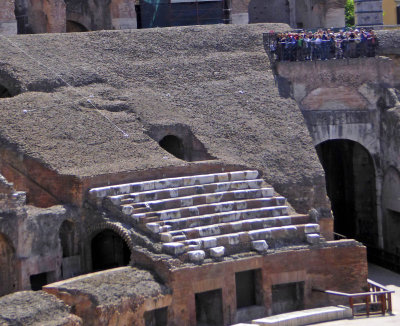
[(173, 145), (109, 250), (4, 92), (350, 182), (7, 267), (75, 27)]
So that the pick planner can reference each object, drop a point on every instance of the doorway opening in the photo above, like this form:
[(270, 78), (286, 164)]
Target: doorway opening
[(156, 317), (209, 308), (41, 279), (248, 288), (109, 250), (350, 182), (287, 297)]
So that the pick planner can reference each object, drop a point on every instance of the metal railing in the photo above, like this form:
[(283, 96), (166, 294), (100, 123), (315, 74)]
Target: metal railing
[(284, 50), (378, 300)]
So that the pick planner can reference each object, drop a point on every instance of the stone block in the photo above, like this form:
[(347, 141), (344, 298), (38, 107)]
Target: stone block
[(284, 220), (127, 210), (173, 248), (209, 242), (193, 247), (259, 245), (180, 237), (233, 239), (196, 256), (311, 228), (166, 228), (313, 238), (166, 237), (267, 192), (209, 231), (154, 227), (217, 252), (238, 175)]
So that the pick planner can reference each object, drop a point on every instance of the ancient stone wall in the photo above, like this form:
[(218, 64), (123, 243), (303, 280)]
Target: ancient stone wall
[(30, 240), (8, 23), (297, 13), (358, 102), (318, 269), (40, 16), (123, 14)]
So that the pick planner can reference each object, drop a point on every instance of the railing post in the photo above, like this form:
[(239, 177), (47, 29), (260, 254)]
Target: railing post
[(367, 304), (351, 305), (383, 303), (389, 299)]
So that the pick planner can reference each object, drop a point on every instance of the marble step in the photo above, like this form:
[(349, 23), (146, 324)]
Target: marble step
[(207, 220), (273, 237), (158, 226), (165, 183), (234, 227), (202, 199), (226, 207), (160, 194)]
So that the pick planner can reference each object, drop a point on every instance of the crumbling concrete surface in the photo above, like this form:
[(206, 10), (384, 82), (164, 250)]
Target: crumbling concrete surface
[(116, 88), (115, 297), (28, 308)]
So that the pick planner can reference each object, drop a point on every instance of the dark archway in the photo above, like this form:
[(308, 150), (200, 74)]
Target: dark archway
[(4, 92), (109, 250), (350, 182), (75, 27), (173, 145), (7, 266)]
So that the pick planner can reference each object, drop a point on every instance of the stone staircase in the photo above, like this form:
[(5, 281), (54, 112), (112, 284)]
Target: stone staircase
[(208, 216), (304, 317)]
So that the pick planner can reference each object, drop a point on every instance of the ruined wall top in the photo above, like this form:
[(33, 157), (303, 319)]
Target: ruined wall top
[(10, 200)]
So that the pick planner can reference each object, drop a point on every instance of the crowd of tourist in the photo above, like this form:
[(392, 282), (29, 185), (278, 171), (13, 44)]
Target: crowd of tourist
[(323, 45)]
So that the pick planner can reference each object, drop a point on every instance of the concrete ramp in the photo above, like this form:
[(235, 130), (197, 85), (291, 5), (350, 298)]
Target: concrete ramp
[(304, 317)]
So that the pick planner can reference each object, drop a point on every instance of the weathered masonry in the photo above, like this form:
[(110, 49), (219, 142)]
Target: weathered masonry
[(159, 177), (351, 110), (50, 16)]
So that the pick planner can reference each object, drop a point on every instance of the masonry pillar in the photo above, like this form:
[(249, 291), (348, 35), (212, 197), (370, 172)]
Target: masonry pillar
[(123, 14), (8, 23), (368, 13)]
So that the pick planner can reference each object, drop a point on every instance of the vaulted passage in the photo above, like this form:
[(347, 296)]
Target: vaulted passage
[(173, 145), (350, 182), (75, 27), (4, 92), (109, 250)]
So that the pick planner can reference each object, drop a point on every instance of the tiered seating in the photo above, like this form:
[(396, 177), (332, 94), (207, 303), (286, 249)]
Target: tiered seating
[(210, 215)]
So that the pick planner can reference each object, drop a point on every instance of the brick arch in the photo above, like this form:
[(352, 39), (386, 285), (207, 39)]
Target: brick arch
[(116, 227), (100, 227)]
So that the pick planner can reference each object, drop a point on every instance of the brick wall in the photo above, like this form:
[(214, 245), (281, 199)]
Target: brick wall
[(334, 268)]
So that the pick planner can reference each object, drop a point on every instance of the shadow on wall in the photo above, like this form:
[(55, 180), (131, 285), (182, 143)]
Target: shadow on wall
[(179, 141)]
